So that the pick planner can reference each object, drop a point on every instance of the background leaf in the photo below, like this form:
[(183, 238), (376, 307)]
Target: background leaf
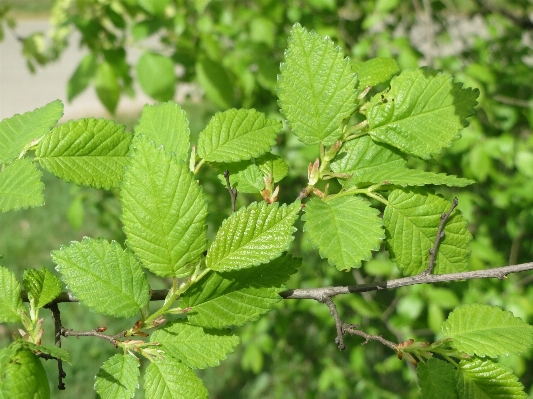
[(107, 87), (117, 378), (252, 236), (421, 113), (20, 186), (166, 124), (91, 152), (103, 276), (156, 75), (316, 88), (164, 212), (215, 81), (18, 131), (436, 379), (194, 346), (10, 301), (82, 76), (345, 230), (411, 221), (42, 286), (485, 330), (237, 135)]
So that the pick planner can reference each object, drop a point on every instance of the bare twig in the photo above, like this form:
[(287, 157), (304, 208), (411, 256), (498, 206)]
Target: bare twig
[(56, 317), (440, 235), (338, 322), (353, 329), (232, 191), (94, 333)]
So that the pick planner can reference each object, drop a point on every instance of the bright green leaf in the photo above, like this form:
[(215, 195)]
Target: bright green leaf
[(156, 76), (82, 76), (171, 379), (411, 221), (91, 152), (118, 377), (316, 88), (164, 212), (436, 379), (166, 124), (20, 186), (155, 7), (237, 135), (23, 376), (345, 230), (245, 176), (483, 379), (485, 330), (409, 177), (272, 165), (52, 350), (234, 298), (106, 85), (17, 132), (194, 346), (103, 276), (421, 113), (10, 301), (375, 71), (42, 286), (252, 236), (215, 81)]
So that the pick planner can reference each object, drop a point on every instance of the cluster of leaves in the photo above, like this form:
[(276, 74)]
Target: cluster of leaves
[(239, 276)]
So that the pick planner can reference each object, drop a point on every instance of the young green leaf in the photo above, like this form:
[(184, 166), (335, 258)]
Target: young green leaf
[(52, 350), (408, 177), (156, 75), (166, 124), (411, 221), (375, 71), (90, 152), (316, 88), (106, 86), (252, 236), (194, 346), (237, 135), (485, 330), (436, 379), (421, 113), (17, 132), (164, 211), (20, 186), (171, 379), (234, 298), (345, 230), (483, 379), (215, 81), (103, 276), (10, 301), (245, 176), (82, 76), (118, 377), (23, 376), (42, 286), (272, 165)]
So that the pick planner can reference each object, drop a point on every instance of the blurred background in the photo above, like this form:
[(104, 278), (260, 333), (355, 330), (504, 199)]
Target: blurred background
[(109, 58)]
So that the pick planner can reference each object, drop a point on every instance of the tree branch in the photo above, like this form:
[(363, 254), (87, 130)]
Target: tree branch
[(338, 322), (93, 333), (56, 317), (232, 191), (353, 329)]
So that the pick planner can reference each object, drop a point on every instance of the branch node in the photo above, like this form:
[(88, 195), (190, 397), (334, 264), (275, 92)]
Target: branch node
[(232, 191)]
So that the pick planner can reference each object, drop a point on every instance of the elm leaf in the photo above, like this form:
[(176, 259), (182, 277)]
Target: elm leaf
[(20, 186)]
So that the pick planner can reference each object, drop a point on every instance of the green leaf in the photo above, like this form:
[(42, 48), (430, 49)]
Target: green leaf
[(245, 176), (194, 346), (91, 152), (103, 277), (58, 353), (42, 286), (155, 7), (156, 75), (345, 230), (316, 88), (171, 379), (364, 156), (412, 220), (274, 166), (215, 81), (483, 379), (106, 85), (409, 177), (375, 71), (484, 330), (436, 379), (164, 212), (421, 113), (252, 236), (17, 132), (166, 124), (20, 186), (237, 135), (10, 301), (23, 376), (82, 76), (235, 298), (118, 377)]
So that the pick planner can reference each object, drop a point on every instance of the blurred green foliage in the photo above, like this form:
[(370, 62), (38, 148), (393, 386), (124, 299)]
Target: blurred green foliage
[(232, 50)]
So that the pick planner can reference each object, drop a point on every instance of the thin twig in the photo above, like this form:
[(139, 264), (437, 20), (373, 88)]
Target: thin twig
[(56, 317), (440, 235), (232, 191), (353, 329), (94, 333), (338, 322)]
